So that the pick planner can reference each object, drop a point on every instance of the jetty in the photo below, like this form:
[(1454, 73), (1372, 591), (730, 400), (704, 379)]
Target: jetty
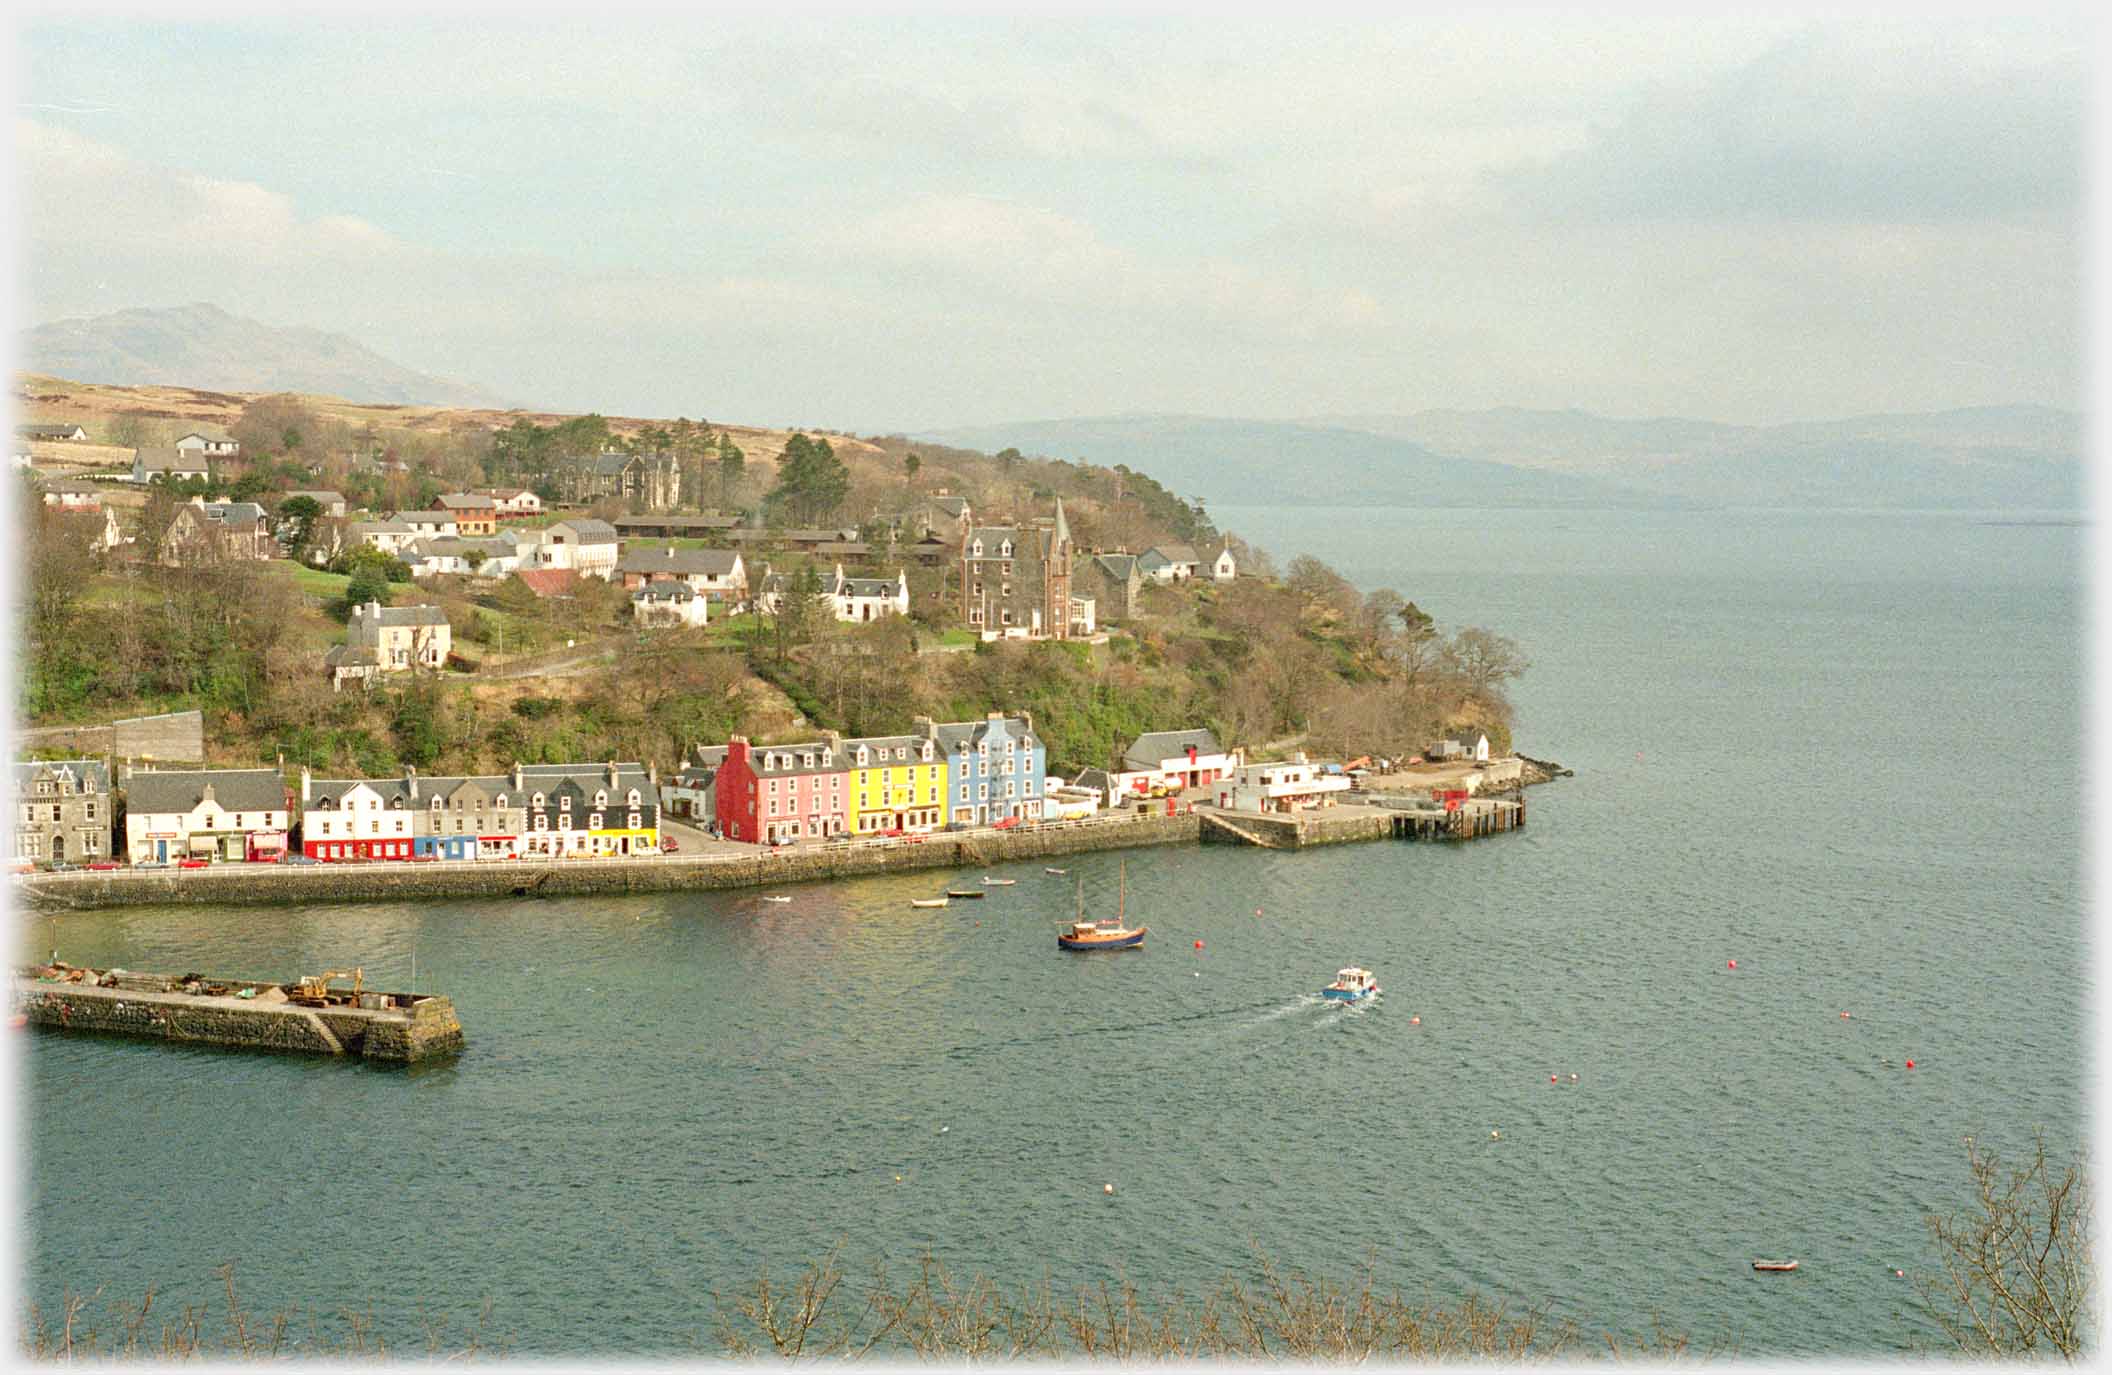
[(1378, 818), (308, 1016)]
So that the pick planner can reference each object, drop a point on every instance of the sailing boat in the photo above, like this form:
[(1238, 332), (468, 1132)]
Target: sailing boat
[(1108, 933)]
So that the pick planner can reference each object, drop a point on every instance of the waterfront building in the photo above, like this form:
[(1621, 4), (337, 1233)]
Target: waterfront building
[(1461, 742), (411, 817), (994, 767), (691, 792), (223, 814), (1286, 787), (600, 810), (1062, 802), (62, 810), (772, 793), (1181, 758), (1016, 580), (897, 783)]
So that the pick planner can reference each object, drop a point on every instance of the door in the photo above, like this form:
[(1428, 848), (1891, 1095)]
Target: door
[(161, 852), (58, 849)]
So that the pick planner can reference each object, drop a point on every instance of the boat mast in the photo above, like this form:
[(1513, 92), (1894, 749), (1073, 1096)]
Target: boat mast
[(1122, 892)]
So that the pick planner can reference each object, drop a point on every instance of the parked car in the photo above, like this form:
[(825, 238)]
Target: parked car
[(669, 846), (60, 866), (300, 859), (192, 863), (103, 865)]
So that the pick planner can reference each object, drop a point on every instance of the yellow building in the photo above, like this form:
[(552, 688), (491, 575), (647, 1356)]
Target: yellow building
[(898, 783)]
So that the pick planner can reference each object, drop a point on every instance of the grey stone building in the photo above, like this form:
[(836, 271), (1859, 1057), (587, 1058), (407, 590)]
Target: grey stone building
[(1114, 581), (62, 811), (1016, 580)]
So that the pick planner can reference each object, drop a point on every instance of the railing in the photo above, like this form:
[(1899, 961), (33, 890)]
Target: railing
[(755, 852)]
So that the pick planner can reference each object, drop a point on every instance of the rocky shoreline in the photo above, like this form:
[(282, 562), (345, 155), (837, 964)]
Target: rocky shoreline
[(1543, 770)]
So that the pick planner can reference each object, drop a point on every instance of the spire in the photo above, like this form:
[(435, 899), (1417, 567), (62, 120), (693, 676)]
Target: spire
[(1063, 530)]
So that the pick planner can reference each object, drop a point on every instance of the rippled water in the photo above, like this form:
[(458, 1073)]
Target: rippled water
[(1835, 749)]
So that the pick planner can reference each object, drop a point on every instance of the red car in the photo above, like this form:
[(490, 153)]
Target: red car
[(191, 863), (668, 846), (103, 864), (1007, 824)]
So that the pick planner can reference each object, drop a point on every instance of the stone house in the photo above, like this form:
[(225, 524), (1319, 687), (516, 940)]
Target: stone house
[(691, 792), (390, 639), (1114, 582), (219, 814), (650, 482), (1016, 581), (62, 811), (203, 532)]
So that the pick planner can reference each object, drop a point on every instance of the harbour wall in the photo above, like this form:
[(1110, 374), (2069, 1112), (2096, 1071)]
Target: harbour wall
[(282, 884), (428, 1028)]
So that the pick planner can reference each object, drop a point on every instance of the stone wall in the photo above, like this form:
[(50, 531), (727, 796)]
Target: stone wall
[(283, 884), (430, 1028)]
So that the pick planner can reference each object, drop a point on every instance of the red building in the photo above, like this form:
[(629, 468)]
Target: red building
[(783, 792)]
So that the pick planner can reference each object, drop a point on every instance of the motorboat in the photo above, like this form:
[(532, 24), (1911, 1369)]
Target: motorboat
[(1777, 1265), (989, 882), (929, 902), (773, 898), (1107, 933), (964, 892), (1352, 985), (1055, 871)]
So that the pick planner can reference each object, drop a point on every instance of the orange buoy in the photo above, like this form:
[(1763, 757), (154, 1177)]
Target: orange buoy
[(1415, 1021), (1733, 964), (1107, 1188), (1198, 945), (1844, 1015), (1910, 1064)]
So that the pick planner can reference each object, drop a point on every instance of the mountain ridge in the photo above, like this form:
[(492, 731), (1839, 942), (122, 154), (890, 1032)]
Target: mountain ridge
[(203, 345)]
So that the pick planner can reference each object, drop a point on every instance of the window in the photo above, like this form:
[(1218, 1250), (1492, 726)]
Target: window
[(975, 551), (594, 822), (537, 801), (542, 823), (564, 803), (634, 821)]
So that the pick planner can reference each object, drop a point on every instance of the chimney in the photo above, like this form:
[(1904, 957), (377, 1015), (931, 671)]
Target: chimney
[(206, 794), (612, 773), (306, 782), (995, 715), (410, 779), (923, 726), (518, 781), (652, 776)]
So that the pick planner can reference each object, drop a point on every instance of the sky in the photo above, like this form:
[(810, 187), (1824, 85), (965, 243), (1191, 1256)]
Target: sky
[(910, 224)]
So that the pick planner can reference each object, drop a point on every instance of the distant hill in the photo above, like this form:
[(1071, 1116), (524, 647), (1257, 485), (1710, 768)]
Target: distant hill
[(1987, 457), (1262, 462), (204, 346)]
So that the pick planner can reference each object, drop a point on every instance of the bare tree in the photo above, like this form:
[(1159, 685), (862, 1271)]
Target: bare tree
[(2019, 1277), (1485, 660)]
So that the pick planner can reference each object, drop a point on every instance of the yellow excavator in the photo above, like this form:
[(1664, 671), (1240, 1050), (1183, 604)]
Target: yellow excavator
[(314, 989)]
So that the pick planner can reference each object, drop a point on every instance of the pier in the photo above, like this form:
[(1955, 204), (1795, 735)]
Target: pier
[(248, 1014), (1380, 818)]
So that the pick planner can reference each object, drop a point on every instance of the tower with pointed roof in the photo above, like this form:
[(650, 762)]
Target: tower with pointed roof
[(1016, 581)]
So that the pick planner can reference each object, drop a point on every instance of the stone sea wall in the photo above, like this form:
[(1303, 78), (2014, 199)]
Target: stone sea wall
[(281, 884), (429, 1028)]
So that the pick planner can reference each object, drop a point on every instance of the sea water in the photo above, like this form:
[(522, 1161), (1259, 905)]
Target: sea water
[(1839, 749)]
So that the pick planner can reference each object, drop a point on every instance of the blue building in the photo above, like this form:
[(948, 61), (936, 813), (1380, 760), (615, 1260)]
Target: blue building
[(994, 767)]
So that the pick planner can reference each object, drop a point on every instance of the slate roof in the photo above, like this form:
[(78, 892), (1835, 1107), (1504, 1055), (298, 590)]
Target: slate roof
[(589, 531), (406, 615), (665, 590), (1117, 566), (351, 656), (89, 775), (952, 506), (362, 528), (68, 486), (396, 792), (610, 464), (759, 754), (235, 790), (458, 546), (167, 458), (868, 587), (234, 512), (665, 558), (322, 497), (1154, 747), (465, 501), (1094, 778), (47, 431)]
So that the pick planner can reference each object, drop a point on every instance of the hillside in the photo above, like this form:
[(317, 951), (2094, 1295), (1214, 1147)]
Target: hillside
[(1247, 462), (203, 346)]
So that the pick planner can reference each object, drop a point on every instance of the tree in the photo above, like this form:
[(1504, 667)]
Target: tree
[(277, 424), (1485, 659), (301, 513), (127, 430), (2019, 1275), (733, 469), (910, 464), (811, 481)]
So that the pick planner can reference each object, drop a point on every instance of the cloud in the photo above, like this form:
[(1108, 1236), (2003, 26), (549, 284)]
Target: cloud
[(1834, 127)]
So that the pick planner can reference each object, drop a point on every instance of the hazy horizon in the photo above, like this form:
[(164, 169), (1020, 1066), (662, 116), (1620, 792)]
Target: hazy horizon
[(945, 223)]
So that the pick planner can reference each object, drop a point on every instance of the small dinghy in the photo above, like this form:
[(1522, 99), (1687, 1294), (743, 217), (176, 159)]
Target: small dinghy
[(989, 882), (928, 902), (1055, 871), (1774, 1265), (776, 899), (964, 892)]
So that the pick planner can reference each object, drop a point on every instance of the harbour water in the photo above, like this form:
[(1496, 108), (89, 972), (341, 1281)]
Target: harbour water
[(1839, 749)]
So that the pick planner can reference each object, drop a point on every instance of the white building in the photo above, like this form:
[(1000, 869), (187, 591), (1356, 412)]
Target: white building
[(196, 443), (1287, 787), (389, 536), (587, 547), (218, 814), (430, 524), (1181, 758), (1062, 802), (1224, 568), (515, 501), (669, 601)]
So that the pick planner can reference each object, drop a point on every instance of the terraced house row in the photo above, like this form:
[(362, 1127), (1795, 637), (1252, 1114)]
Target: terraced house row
[(540, 810), (975, 773)]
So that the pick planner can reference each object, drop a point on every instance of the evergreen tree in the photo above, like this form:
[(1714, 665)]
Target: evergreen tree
[(811, 482), (733, 468)]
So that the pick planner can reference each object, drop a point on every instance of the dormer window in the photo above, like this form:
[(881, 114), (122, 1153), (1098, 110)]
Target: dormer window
[(564, 803), (806, 760), (1004, 551), (538, 801), (975, 551), (634, 797), (601, 797), (499, 801), (862, 760)]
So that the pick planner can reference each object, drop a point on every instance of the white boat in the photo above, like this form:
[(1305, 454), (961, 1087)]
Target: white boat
[(776, 899), (1352, 985), (929, 902), (990, 882), (1055, 871)]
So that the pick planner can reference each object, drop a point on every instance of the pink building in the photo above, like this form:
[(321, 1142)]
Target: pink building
[(770, 793)]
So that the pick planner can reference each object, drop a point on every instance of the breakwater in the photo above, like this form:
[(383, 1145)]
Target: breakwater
[(289, 884), (248, 1014)]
